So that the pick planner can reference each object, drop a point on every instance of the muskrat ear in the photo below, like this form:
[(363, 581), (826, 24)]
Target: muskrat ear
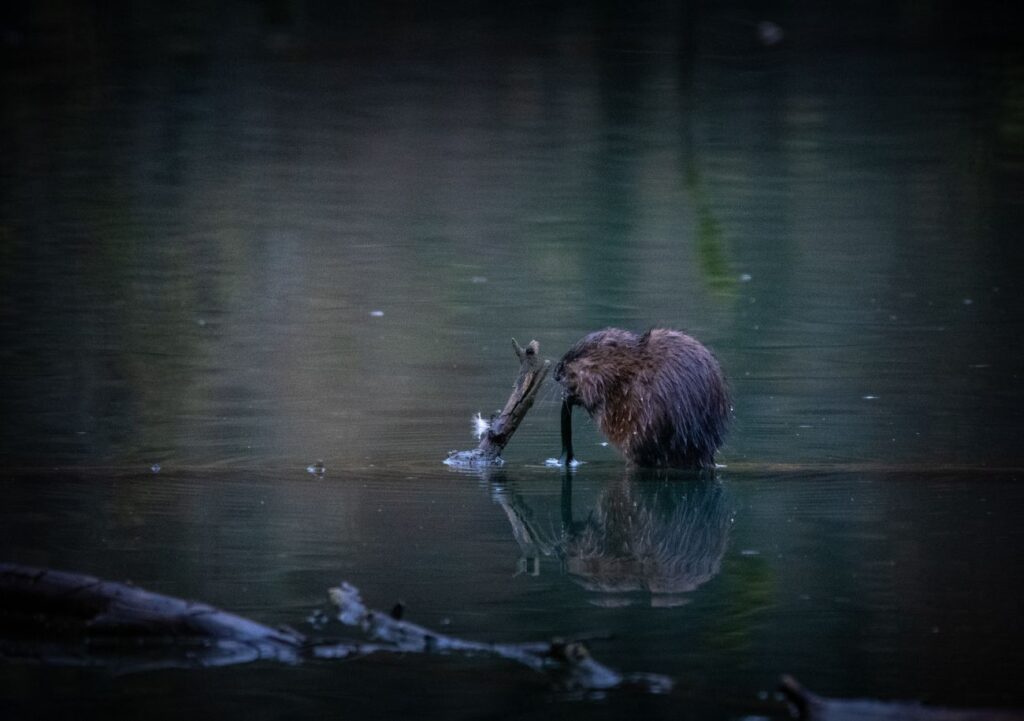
[(646, 336)]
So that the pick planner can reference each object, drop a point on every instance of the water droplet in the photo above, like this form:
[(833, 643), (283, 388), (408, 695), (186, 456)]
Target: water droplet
[(377, 313), (557, 462), (317, 469), (155, 468), (769, 33)]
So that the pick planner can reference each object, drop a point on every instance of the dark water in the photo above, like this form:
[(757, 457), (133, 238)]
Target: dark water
[(230, 254)]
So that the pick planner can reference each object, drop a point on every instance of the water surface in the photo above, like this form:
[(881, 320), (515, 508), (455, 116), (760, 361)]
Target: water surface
[(227, 257)]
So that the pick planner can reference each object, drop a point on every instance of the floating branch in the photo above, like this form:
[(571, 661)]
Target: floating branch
[(532, 370), (811, 707), (569, 663)]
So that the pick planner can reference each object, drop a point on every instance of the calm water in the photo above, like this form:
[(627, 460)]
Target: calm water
[(230, 255)]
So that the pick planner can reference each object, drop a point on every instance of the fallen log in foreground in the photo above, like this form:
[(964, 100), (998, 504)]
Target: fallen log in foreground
[(811, 707), (499, 430), (69, 619), (65, 618), (568, 663)]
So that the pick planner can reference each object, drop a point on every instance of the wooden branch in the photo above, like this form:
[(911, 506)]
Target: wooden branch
[(567, 662), (532, 371), (810, 707), (72, 619), (69, 619)]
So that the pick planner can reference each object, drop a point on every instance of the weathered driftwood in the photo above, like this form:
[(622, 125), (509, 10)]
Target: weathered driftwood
[(73, 619), (568, 663), (68, 619), (532, 370), (811, 707)]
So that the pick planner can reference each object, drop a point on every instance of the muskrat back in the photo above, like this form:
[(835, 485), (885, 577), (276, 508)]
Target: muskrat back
[(660, 397)]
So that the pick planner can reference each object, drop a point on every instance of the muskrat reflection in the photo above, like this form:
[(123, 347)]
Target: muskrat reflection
[(660, 537), (644, 534)]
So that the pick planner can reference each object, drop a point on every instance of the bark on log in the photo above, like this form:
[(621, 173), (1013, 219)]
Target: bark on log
[(810, 707), (72, 619), (532, 371), (69, 619), (567, 662)]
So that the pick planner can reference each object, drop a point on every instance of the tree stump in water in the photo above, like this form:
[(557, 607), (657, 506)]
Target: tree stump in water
[(532, 370)]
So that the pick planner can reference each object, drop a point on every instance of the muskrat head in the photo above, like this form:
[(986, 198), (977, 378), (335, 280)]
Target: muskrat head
[(592, 368)]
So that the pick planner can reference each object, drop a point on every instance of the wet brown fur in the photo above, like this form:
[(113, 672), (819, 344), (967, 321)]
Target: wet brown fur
[(660, 398)]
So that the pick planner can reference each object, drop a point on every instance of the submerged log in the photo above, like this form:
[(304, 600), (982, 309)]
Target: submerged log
[(810, 707), (69, 619), (72, 619), (567, 662), (532, 371)]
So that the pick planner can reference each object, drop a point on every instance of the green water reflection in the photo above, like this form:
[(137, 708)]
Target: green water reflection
[(232, 253)]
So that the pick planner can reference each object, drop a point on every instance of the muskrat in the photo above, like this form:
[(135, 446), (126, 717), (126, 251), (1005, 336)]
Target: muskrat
[(660, 398)]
